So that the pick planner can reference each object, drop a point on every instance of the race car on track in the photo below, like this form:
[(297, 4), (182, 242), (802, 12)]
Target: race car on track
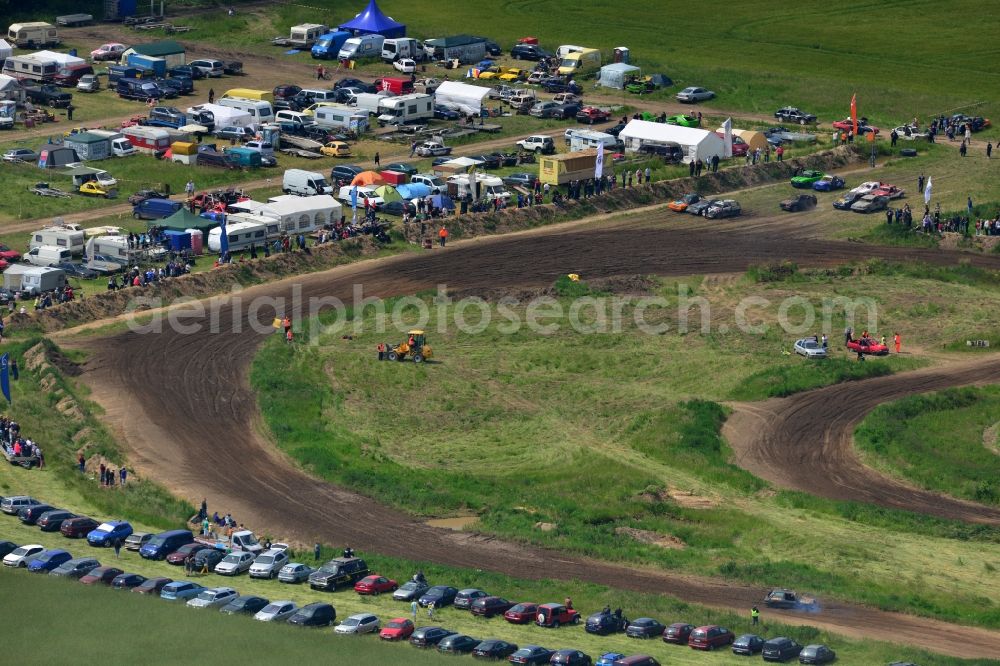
[(699, 207), (682, 204), (792, 114), (806, 178), (889, 191), (848, 124), (828, 183), (809, 348), (683, 120), (867, 187), (782, 598), (868, 346), (848, 200), (910, 133), (870, 203), (725, 208), (591, 115), (798, 203)]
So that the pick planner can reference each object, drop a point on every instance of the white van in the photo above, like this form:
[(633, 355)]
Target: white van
[(260, 111), (566, 49), (241, 235), (364, 193), (319, 95), (305, 183), (434, 183), (289, 116), (48, 255), (489, 187), (120, 146), (341, 116), (365, 46), (71, 240), (404, 47)]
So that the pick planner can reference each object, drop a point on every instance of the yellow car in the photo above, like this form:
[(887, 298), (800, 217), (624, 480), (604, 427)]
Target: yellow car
[(336, 149), (92, 189), (512, 74), (490, 73)]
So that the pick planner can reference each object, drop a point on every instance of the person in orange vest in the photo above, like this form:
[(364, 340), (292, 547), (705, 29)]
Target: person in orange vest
[(381, 351), (288, 336), (442, 235), (286, 323), (897, 340)]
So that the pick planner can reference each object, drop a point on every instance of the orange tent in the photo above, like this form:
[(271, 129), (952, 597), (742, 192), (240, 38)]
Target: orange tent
[(368, 178)]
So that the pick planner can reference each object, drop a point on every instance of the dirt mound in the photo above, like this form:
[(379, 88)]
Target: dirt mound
[(653, 538)]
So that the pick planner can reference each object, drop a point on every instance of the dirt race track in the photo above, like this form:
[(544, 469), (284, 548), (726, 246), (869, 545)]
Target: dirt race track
[(183, 405)]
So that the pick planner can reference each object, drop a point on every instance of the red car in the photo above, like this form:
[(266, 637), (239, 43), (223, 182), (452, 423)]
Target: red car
[(591, 115), (152, 586), (887, 190), (398, 629), (490, 606), (375, 585), (863, 127), (710, 637), (740, 147), (9, 254), (521, 613), (553, 615), (678, 632), (77, 528), (179, 555), (102, 575), (868, 346)]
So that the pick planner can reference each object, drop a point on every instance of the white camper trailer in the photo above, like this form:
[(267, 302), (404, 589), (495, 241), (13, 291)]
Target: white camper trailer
[(241, 235), (61, 237)]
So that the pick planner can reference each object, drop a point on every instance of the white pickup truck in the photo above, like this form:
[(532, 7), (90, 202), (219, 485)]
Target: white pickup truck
[(241, 540)]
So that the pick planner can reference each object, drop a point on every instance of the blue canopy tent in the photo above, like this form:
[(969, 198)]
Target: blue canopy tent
[(413, 190), (373, 22)]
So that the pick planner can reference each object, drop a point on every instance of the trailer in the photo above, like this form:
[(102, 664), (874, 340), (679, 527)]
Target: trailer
[(302, 36), (74, 20), (43, 190), (561, 169)]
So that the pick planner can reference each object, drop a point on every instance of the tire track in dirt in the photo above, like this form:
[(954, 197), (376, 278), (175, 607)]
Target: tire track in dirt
[(183, 404)]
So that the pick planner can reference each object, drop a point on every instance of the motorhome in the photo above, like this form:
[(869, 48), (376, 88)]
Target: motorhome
[(369, 102), (213, 116), (120, 145), (341, 116), (585, 139), (33, 34), (60, 237), (359, 48), (404, 47), (463, 48), (30, 68), (477, 186), (406, 109), (261, 111), (240, 236)]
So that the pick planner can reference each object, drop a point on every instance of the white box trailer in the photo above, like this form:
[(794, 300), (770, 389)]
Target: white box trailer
[(40, 279), (33, 34), (70, 239), (30, 68), (241, 235), (406, 109)]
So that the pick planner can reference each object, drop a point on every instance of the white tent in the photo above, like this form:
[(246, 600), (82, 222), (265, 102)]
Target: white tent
[(695, 143), (6, 50), (461, 97), (63, 59), (614, 75), (10, 89)]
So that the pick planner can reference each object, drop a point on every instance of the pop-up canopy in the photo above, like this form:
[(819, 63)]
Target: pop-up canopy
[(373, 22)]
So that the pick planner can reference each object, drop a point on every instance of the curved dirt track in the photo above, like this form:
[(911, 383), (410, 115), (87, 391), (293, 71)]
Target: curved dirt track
[(183, 404), (805, 441)]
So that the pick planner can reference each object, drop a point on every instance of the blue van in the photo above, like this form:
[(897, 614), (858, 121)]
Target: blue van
[(141, 89), (155, 209), (165, 543)]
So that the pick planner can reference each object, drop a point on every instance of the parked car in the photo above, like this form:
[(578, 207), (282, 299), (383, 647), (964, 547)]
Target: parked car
[(678, 632), (344, 172), (180, 590), (208, 559), (187, 71), (489, 606), (521, 179), (798, 203), (127, 581), (75, 568), (101, 576), (209, 67), (20, 155), (609, 658), (644, 627), (77, 270), (724, 208), (361, 623), (268, 564), (870, 203), (494, 648), (181, 554), (528, 52), (793, 114), (439, 595), (889, 191), (77, 528), (694, 94), (553, 615), (592, 114), (863, 127), (683, 120), (397, 208), (338, 572), (531, 654), (52, 520), (605, 623), (868, 346), (464, 598), (810, 348), (410, 590), (432, 149), (537, 143), (375, 585), (636, 660), (230, 132), (401, 167), (29, 515), (235, 563), (405, 65), (748, 645), (457, 644), (397, 629), (276, 611), (245, 605), (109, 51), (816, 654), (828, 183), (571, 657), (316, 614), (46, 561), (426, 637), (294, 572), (106, 534), (681, 205), (780, 649), (846, 201), (21, 556), (710, 637), (522, 613), (153, 586)]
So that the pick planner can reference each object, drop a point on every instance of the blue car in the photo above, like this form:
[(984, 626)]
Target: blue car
[(608, 658), (179, 590), (444, 113), (107, 533), (48, 561), (828, 183)]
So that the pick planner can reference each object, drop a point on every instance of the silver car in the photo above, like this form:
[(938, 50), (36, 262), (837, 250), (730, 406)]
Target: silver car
[(234, 563), (810, 348), (268, 564), (276, 611), (362, 623), (294, 572), (694, 94), (19, 557), (213, 597), (20, 155)]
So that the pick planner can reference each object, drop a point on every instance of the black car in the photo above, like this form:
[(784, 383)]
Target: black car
[(353, 83), (521, 179), (439, 595), (187, 71), (848, 200), (571, 657), (605, 623), (344, 172), (798, 203), (780, 649), (397, 208), (127, 581), (793, 115), (644, 627), (748, 644), (494, 648), (76, 569), (179, 84), (489, 161), (245, 605), (492, 48), (142, 195), (816, 654), (338, 572), (678, 632), (207, 558), (444, 113), (528, 52), (7, 547), (401, 167), (559, 86), (531, 654), (425, 637), (51, 521), (288, 104), (286, 90), (699, 207), (77, 270), (457, 644), (317, 614), (616, 130), (490, 606), (29, 515), (441, 160)]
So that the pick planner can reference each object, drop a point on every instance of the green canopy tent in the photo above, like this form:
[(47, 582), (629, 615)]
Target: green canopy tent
[(184, 219)]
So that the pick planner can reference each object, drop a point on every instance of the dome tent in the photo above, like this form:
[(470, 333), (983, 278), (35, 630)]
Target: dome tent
[(372, 21)]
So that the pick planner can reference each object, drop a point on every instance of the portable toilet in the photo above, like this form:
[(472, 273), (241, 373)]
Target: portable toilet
[(622, 54), (197, 240), (271, 133), (177, 240)]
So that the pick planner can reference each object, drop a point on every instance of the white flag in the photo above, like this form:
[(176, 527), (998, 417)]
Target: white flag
[(927, 191), (727, 130), (599, 164)]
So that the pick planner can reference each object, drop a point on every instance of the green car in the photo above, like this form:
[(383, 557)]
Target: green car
[(682, 120), (806, 178)]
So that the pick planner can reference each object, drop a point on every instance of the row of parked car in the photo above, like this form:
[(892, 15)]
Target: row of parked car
[(179, 547)]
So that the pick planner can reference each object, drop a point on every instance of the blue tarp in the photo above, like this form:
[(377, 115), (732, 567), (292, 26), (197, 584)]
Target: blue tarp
[(413, 190), (373, 22)]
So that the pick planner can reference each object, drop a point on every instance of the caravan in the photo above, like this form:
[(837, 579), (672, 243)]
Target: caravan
[(240, 235), (406, 109), (30, 68), (260, 111), (582, 139), (33, 35), (60, 237), (340, 116)]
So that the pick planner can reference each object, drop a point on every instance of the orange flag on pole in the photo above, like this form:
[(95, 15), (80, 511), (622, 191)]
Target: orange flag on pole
[(854, 113)]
